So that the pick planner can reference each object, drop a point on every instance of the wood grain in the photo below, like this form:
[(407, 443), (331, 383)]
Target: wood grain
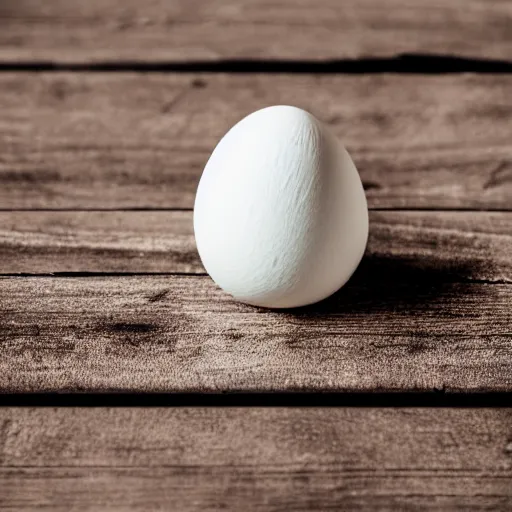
[(256, 459), (180, 333), (46, 242), (462, 246), (123, 140), (66, 31)]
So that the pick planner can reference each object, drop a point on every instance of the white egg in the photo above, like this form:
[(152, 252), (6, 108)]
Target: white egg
[(280, 215)]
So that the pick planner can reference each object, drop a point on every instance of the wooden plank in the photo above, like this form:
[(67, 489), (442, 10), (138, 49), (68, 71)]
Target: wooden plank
[(46, 242), (463, 246), (73, 141), (256, 459), (125, 30), (181, 333)]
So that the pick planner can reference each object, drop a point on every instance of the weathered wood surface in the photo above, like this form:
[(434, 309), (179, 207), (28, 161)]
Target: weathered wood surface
[(460, 246), (255, 459), (429, 308), (115, 140), (417, 331), (155, 241), (127, 30)]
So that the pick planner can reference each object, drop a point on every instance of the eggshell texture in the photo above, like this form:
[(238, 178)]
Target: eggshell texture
[(280, 216)]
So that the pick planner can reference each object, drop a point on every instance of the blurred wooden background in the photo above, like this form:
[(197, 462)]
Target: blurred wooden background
[(109, 111)]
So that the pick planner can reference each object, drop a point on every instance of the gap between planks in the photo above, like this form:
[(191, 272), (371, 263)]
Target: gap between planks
[(235, 398), (165, 209), (407, 64)]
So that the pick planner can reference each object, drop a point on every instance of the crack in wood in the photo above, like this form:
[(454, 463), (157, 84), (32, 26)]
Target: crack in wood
[(402, 63), (304, 398)]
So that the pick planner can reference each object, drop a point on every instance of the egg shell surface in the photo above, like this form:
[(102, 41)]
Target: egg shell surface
[(280, 216)]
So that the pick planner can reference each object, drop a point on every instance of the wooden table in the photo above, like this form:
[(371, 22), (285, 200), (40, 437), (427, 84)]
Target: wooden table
[(158, 391)]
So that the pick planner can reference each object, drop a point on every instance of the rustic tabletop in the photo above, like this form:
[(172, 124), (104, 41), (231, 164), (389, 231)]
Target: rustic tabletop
[(109, 111)]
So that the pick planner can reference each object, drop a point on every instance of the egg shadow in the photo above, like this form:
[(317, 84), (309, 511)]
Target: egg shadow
[(395, 284)]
